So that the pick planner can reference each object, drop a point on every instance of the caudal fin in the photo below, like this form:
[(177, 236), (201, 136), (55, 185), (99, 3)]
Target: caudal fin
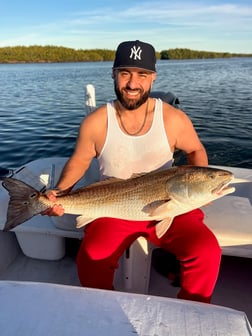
[(20, 204)]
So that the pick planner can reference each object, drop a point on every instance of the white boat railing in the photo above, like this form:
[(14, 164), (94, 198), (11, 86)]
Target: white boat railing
[(90, 98)]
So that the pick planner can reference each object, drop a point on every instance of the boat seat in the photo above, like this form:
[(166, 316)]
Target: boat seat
[(230, 217)]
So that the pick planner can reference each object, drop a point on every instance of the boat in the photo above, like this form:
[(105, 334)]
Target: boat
[(40, 292)]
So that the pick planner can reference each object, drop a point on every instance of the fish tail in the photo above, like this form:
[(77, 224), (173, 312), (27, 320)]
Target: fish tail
[(20, 204)]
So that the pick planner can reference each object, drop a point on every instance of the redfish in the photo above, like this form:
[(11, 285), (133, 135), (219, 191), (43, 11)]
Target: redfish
[(159, 196)]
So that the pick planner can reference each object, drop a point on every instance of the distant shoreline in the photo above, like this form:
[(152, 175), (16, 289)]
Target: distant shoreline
[(55, 54)]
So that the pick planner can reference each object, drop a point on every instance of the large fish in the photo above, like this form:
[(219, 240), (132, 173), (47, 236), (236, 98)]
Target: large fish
[(159, 196)]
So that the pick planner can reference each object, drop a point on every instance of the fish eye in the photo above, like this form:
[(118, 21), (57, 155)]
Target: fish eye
[(33, 195)]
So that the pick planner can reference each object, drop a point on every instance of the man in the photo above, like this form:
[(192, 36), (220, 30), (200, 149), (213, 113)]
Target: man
[(133, 134)]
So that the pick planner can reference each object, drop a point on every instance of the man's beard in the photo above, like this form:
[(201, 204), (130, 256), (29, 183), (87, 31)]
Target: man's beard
[(131, 104)]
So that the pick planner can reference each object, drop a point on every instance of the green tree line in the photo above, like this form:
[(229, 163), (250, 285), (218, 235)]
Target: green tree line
[(183, 53), (46, 54)]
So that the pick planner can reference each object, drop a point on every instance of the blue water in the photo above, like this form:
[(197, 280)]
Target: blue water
[(42, 105)]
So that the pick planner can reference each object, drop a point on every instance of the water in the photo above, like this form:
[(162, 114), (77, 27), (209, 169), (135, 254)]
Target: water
[(42, 106)]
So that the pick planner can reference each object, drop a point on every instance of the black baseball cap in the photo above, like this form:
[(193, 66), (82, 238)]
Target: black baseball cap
[(135, 54)]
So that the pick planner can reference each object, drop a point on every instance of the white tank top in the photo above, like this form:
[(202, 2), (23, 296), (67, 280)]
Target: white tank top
[(123, 155)]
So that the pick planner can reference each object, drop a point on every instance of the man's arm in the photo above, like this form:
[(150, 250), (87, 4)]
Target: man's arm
[(90, 135), (197, 157), (189, 142), (182, 135)]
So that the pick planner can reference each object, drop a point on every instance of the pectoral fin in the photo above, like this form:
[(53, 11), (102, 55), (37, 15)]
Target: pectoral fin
[(161, 210), (150, 208), (82, 221), (163, 226)]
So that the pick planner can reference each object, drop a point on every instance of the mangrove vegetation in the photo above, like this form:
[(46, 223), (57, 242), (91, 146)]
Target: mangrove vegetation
[(52, 54)]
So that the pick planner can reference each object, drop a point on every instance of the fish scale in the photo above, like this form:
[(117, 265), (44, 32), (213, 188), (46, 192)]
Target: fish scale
[(88, 203)]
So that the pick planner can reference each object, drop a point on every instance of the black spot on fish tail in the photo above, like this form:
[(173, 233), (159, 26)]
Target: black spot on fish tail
[(20, 204)]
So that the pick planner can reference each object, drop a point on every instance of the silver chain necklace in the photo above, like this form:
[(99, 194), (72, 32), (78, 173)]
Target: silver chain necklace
[(141, 127)]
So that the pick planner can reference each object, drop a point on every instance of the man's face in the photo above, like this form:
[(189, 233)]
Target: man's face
[(132, 86)]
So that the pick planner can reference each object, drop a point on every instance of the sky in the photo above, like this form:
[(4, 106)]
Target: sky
[(212, 25)]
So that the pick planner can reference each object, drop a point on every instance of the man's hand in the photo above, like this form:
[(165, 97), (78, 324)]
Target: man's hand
[(56, 209)]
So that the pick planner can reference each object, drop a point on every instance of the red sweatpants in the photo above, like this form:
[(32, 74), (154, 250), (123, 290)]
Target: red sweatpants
[(188, 238)]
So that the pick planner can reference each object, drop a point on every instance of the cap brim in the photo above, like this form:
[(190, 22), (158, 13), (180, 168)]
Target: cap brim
[(132, 67)]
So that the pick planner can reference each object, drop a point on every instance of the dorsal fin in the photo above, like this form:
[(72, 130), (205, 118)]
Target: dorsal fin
[(109, 180), (137, 175)]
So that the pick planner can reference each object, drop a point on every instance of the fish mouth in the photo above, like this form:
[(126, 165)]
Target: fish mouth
[(223, 189)]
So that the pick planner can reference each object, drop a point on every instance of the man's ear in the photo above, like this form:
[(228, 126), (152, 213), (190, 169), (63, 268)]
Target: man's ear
[(113, 74), (154, 76)]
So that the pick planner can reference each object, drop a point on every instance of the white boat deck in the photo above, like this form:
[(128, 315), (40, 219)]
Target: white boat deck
[(233, 289)]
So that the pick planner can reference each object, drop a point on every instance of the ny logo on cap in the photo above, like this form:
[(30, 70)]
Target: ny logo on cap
[(136, 53)]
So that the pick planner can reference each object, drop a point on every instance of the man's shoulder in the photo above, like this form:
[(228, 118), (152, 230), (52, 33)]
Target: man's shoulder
[(95, 121), (99, 113), (171, 110)]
